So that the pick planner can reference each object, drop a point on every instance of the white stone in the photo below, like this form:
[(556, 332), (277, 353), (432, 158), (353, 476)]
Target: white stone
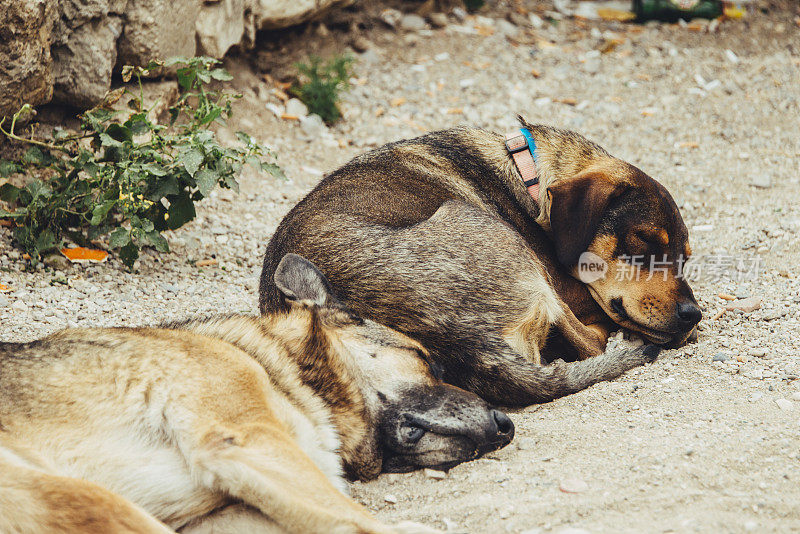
[(296, 108), (412, 23), (313, 125)]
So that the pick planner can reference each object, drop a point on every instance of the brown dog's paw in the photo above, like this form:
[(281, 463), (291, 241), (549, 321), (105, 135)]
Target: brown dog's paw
[(650, 352)]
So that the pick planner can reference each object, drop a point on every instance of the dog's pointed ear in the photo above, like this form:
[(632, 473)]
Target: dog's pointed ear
[(300, 281), (576, 206)]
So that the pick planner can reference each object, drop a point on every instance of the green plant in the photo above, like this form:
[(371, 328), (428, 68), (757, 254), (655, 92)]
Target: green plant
[(123, 172), (321, 83)]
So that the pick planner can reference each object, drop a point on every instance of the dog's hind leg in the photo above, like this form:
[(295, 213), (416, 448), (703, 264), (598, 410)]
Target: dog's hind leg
[(507, 378), (39, 502)]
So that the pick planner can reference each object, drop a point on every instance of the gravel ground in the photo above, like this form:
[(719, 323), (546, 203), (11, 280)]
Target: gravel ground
[(706, 439)]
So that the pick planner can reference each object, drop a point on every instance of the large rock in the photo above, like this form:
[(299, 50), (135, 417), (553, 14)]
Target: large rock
[(157, 29), (84, 61), (25, 62), (275, 14), (220, 25)]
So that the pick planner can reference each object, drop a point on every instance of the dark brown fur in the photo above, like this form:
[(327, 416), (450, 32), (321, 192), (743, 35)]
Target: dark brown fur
[(437, 237)]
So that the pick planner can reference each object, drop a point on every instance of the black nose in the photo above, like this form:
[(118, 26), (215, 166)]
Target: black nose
[(689, 314), (505, 427)]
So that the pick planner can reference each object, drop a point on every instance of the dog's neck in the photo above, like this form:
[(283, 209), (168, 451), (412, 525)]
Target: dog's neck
[(278, 340), (327, 371), (560, 155)]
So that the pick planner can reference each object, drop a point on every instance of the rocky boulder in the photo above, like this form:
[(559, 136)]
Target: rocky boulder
[(276, 14), (25, 62), (157, 29), (68, 50)]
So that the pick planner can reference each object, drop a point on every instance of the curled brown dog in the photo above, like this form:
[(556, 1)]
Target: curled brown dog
[(439, 238)]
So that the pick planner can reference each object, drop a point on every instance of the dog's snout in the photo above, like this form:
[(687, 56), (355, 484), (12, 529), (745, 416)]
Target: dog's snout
[(505, 427), (688, 313)]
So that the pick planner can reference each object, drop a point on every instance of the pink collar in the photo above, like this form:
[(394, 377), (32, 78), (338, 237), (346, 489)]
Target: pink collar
[(521, 146)]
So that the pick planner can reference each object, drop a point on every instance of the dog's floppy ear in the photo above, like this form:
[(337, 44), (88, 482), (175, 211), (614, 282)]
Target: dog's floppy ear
[(300, 280), (576, 206)]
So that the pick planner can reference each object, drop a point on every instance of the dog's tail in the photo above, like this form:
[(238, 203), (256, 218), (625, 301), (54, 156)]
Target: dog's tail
[(509, 379)]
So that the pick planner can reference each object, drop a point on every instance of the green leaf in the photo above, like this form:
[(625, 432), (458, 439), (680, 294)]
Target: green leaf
[(100, 211), (230, 181), (119, 238), (129, 254), (157, 240), (155, 169), (37, 189), (107, 140), (191, 160), (146, 225), (212, 115), (207, 180), (119, 133), (221, 75), (274, 170), (165, 187), (45, 241), (186, 78), (181, 210), (7, 168), (245, 138), (138, 126), (35, 156), (9, 193)]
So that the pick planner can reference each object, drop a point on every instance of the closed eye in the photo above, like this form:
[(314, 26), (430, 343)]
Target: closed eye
[(437, 371)]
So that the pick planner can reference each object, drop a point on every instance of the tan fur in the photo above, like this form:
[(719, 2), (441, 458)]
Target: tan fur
[(186, 422)]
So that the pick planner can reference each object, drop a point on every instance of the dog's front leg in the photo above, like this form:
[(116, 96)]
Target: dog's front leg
[(260, 465), (588, 340)]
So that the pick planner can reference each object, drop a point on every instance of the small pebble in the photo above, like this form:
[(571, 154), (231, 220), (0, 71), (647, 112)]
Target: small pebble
[(438, 20), (412, 23), (391, 499), (785, 404)]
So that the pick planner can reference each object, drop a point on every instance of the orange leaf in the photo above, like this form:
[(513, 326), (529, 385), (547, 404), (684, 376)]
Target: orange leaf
[(206, 263), (4, 288), (84, 255), (399, 101), (7, 223), (280, 94)]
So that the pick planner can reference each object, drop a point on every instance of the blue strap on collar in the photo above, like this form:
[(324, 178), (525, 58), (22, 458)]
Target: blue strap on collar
[(531, 143)]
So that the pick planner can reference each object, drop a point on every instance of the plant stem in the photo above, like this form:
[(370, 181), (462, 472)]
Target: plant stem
[(11, 135)]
